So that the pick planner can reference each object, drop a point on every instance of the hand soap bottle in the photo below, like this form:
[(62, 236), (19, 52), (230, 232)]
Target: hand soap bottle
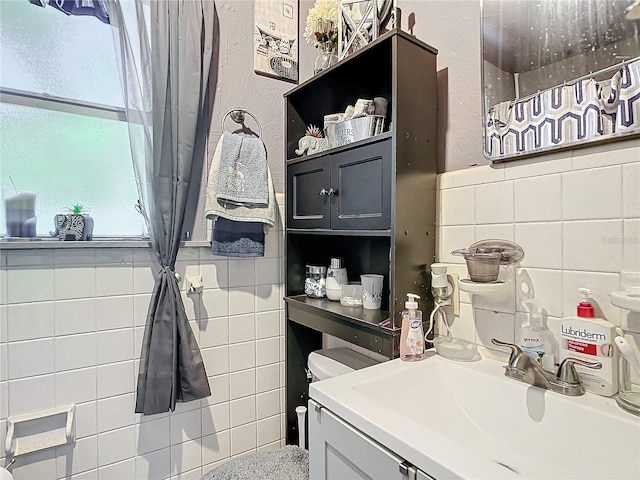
[(537, 341), (591, 339), (411, 335)]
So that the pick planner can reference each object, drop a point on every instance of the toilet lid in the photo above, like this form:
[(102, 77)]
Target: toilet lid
[(333, 362)]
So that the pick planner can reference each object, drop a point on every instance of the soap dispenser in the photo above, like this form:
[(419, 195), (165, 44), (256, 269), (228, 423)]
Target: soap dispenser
[(411, 336), (537, 341)]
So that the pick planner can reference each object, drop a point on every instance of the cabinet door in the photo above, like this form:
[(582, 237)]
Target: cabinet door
[(308, 204), (361, 179), (339, 451)]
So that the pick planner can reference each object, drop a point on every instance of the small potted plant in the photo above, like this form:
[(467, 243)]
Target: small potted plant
[(312, 142), (75, 225)]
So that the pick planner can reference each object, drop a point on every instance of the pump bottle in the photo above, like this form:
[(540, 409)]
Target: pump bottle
[(589, 338), (411, 336), (537, 341)]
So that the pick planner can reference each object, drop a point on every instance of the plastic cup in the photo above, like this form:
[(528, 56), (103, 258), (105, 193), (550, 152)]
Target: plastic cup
[(371, 291), (20, 212)]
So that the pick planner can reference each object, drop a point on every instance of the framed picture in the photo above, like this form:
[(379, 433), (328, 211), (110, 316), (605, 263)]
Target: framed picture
[(275, 34)]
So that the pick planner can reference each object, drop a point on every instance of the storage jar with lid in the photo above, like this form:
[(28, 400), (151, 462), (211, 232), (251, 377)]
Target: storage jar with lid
[(336, 277), (315, 281)]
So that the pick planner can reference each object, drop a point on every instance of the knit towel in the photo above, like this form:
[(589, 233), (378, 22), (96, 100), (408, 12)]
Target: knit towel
[(242, 175), (237, 239), (239, 213)]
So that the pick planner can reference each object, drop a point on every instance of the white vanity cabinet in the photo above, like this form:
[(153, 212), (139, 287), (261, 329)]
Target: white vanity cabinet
[(337, 450)]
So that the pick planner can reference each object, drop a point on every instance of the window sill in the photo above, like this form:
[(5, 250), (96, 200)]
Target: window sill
[(46, 243), (98, 243)]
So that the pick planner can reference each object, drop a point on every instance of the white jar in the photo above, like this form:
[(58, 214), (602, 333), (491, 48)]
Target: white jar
[(336, 277)]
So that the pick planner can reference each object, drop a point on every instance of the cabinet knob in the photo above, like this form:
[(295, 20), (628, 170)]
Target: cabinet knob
[(330, 193)]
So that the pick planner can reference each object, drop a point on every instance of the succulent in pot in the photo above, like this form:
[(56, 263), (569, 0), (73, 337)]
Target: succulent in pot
[(76, 225)]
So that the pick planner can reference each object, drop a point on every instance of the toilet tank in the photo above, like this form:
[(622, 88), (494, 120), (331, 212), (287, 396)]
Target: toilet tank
[(332, 362)]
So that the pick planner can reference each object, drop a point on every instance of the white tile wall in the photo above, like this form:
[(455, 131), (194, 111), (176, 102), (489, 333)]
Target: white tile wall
[(242, 384), (74, 316), (630, 190), (27, 321), (71, 327), (587, 194), (542, 243), (71, 322), (547, 190), (576, 215), (493, 202)]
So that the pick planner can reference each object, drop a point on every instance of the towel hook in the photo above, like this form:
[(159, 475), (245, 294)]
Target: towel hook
[(238, 116)]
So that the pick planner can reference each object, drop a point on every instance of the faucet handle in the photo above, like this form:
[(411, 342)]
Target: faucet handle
[(567, 371), (515, 350)]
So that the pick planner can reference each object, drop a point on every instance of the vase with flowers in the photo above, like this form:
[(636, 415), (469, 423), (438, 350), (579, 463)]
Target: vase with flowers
[(321, 31)]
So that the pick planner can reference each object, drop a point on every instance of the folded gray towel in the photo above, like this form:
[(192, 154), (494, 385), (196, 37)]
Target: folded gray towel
[(288, 463), (242, 175)]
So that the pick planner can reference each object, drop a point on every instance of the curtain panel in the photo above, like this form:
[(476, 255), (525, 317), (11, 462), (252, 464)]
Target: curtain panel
[(165, 48)]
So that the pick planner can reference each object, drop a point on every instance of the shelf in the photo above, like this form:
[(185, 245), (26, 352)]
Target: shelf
[(342, 148), (354, 57), (369, 319), (344, 233), (626, 300), (378, 179), (488, 288)]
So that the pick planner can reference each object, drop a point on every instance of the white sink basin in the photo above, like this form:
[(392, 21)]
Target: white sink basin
[(468, 420)]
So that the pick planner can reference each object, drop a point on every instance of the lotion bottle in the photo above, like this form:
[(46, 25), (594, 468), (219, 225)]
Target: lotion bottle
[(589, 338), (411, 335)]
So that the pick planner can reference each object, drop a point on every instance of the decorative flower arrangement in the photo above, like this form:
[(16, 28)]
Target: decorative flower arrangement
[(321, 29)]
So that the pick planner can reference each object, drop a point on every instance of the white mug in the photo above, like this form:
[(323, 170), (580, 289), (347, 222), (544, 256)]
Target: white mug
[(371, 291)]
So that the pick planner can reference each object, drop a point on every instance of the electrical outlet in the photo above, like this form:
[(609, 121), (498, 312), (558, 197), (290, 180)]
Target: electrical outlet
[(454, 308)]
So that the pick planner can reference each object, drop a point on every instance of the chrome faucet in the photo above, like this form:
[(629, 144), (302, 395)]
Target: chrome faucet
[(525, 369)]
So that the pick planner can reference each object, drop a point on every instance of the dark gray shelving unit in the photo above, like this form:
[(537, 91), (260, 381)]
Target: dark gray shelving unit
[(382, 217)]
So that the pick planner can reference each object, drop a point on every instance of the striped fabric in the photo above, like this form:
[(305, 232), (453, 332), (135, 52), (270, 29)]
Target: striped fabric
[(566, 114)]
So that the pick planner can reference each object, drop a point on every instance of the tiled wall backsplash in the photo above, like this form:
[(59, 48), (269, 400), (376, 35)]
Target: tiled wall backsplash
[(71, 326), (71, 321), (576, 214)]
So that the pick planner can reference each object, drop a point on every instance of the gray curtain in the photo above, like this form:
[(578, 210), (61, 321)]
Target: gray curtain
[(166, 48)]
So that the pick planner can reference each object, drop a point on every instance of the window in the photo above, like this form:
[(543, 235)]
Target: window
[(62, 127)]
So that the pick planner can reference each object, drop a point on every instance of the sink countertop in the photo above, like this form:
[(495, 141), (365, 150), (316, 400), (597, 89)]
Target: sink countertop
[(421, 412)]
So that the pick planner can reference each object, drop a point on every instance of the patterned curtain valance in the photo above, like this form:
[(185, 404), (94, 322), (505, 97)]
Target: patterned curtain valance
[(566, 114)]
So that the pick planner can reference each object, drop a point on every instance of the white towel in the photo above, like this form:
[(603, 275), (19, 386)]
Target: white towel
[(265, 214)]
